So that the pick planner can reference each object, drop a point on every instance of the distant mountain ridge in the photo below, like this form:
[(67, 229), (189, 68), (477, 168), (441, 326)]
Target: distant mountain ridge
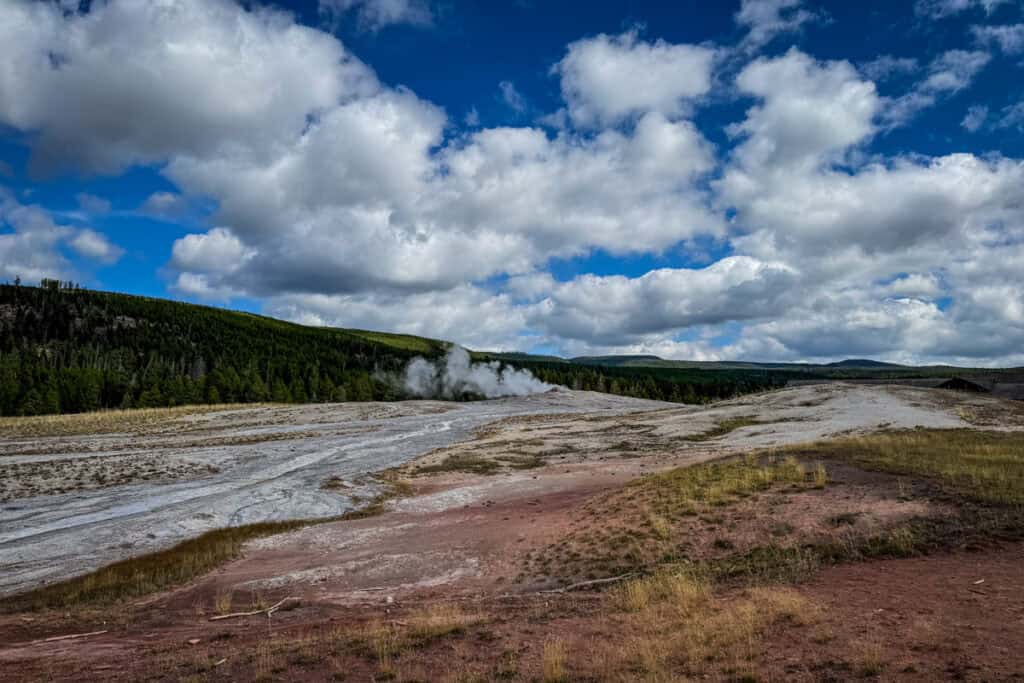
[(649, 360)]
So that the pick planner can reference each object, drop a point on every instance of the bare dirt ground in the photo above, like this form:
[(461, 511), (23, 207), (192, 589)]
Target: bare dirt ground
[(517, 498)]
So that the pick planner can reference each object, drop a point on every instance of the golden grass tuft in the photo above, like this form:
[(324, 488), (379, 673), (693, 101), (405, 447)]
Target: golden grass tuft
[(439, 620), (820, 475), (675, 624), (222, 601), (553, 661), (679, 589)]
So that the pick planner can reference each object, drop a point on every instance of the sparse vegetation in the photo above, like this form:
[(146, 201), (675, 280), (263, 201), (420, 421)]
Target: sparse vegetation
[(385, 642), (222, 601), (148, 573), (650, 522), (674, 624), (687, 615), (104, 421), (461, 463), (636, 527), (987, 466), (722, 428), (553, 661), (176, 565)]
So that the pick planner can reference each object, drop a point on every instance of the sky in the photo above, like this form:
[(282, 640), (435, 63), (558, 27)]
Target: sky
[(774, 180)]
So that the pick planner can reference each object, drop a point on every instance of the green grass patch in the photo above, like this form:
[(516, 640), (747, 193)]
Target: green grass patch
[(681, 490), (722, 428), (462, 463), (986, 466), (974, 527), (522, 462), (403, 342)]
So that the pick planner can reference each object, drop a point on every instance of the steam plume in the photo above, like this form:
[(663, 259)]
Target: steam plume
[(455, 376)]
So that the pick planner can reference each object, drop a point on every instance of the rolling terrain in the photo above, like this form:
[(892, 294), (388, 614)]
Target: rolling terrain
[(555, 537)]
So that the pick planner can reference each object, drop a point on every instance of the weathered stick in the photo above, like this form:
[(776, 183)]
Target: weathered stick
[(595, 582), (269, 610), (73, 636)]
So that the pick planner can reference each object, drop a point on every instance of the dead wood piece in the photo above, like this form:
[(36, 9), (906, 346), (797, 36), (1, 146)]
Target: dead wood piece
[(73, 636), (268, 611), (595, 582)]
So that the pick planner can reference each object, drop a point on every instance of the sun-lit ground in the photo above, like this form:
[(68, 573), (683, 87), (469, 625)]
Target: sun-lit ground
[(740, 543)]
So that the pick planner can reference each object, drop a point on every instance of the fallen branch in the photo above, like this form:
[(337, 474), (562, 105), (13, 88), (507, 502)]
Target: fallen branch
[(268, 611), (73, 636), (595, 582)]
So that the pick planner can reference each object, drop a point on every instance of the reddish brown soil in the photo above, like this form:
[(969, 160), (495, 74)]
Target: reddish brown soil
[(916, 619), (951, 617)]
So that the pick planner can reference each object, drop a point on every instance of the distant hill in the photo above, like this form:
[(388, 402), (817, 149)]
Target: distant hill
[(71, 350), (615, 360), (862, 363)]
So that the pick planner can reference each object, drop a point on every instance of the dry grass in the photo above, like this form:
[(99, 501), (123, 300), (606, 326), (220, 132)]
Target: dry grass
[(553, 661), (820, 475), (674, 625), (682, 589), (650, 523), (148, 573), (682, 490), (638, 527), (869, 658), (386, 641), (107, 421), (439, 620), (987, 466), (222, 601)]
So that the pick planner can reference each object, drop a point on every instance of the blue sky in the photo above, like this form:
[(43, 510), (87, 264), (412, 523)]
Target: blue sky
[(765, 179)]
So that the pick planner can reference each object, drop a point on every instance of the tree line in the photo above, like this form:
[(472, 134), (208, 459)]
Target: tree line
[(64, 349), (662, 384)]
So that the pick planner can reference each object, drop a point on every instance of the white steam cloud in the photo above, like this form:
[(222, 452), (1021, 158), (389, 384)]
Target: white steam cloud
[(456, 376)]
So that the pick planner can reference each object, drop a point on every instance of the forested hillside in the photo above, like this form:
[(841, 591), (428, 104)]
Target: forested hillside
[(71, 350), (679, 385), (65, 349)]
